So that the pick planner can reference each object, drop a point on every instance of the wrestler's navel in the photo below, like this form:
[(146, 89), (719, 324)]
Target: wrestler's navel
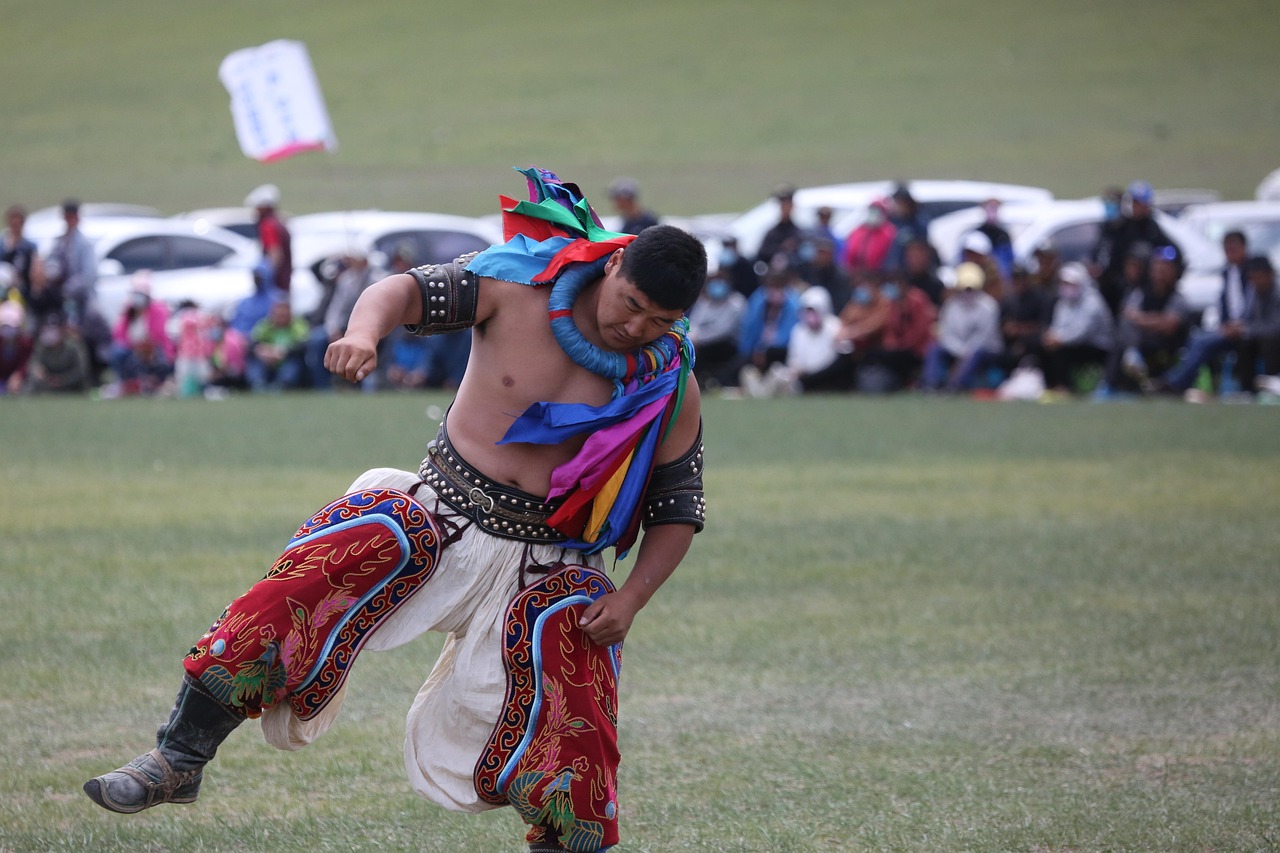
[(507, 381)]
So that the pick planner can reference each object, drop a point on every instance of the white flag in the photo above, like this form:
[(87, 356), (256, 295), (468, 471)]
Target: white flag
[(276, 101)]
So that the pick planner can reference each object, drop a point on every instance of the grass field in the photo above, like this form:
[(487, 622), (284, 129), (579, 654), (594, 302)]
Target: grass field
[(708, 104), (912, 625)]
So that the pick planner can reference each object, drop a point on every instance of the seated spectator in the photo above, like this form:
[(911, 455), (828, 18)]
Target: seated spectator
[(895, 361), (228, 358), (772, 312), (810, 350), (1080, 334), (714, 321), (15, 347), (141, 351), (1024, 317), (278, 344), (187, 330), (976, 248), (819, 268), (1152, 328), (59, 361), (861, 328), (251, 310), (1254, 339), (741, 271), (968, 339), (918, 270)]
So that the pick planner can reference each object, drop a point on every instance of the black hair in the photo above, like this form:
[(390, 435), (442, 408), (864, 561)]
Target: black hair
[(666, 264), (1236, 234)]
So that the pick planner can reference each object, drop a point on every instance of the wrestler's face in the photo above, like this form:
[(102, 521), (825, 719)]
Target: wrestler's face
[(626, 318)]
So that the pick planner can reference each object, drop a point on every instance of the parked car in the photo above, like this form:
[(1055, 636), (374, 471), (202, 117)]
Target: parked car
[(849, 203), (240, 220), (187, 260), (1259, 220), (1072, 229), (320, 239)]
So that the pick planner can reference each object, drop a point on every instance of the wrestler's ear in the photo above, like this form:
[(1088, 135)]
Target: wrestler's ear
[(615, 260)]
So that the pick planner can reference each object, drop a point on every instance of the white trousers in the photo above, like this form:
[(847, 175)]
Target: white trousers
[(455, 711)]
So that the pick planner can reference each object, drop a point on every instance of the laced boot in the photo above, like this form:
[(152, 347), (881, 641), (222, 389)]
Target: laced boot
[(170, 773)]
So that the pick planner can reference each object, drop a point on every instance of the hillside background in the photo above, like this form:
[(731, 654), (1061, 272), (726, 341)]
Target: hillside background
[(707, 104)]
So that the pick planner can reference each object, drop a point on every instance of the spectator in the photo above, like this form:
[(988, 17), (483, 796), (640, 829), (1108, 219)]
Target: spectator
[(1235, 286), (354, 275), (15, 347), (1045, 266), (1001, 243), (59, 361), (273, 236), (714, 321), (741, 271), (71, 271), (810, 350), (772, 312), (784, 237), (1024, 317), (861, 326), (1100, 258), (918, 270), (228, 358), (1253, 338), (625, 195), (141, 351), (820, 268), (1152, 328), (869, 245), (188, 329), (894, 361), (910, 224), (823, 229), (278, 344), (1080, 334), (1137, 226), (976, 248), (21, 254), (968, 338), (253, 309)]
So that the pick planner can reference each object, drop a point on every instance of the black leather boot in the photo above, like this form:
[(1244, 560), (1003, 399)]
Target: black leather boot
[(171, 772)]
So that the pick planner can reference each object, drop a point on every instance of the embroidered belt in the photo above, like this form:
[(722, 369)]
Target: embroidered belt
[(499, 509)]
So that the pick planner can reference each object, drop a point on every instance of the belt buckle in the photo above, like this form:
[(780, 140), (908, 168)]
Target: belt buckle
[(478, 498)]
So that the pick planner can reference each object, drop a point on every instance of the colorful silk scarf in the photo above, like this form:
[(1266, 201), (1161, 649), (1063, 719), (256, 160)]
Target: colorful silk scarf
[(604, 484)]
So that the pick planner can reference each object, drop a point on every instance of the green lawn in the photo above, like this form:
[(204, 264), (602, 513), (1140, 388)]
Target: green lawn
[(912, 624), (708, 104)]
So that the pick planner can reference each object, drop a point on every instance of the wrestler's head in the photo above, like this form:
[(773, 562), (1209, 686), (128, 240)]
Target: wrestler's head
[(647, 287), (668, 265)]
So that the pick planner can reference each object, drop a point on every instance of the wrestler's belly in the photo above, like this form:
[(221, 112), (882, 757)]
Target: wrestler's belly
[(526, 467)]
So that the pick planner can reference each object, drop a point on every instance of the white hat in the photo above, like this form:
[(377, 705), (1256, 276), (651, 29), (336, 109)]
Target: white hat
[(976, 241), (267, 195)]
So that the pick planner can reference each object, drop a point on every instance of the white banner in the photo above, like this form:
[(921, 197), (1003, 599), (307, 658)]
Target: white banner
[(276, 101)]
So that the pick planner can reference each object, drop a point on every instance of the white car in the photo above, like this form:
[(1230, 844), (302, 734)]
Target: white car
[(320, 239), (849, 203), (241, 220), (1259, 220), (206, 264), (1072, 228)]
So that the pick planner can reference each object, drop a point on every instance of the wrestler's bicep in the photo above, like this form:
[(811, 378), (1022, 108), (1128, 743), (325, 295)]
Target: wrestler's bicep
[(687, 426)]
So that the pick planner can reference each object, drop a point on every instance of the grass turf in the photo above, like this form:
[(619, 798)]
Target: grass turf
[(912, 624)]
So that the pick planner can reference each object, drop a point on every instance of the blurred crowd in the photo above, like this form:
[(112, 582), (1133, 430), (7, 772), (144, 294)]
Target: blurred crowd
[(811, 312), (53, 338), (870, 313)]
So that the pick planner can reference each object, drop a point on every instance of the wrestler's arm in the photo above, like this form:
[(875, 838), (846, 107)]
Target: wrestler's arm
[(394, 301), (608, 619)]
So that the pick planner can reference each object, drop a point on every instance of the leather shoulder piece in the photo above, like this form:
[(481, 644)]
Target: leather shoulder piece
[(450, 297), (675, 491)]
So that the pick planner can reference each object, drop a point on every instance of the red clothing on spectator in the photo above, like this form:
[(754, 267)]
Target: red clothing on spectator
[(910, 323)]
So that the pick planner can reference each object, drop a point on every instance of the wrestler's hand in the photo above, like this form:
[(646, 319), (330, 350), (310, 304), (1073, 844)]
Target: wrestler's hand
[(608, 619), (352, 357)]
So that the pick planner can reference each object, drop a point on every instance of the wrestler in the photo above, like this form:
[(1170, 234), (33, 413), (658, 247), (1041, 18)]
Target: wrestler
[(576, 425)]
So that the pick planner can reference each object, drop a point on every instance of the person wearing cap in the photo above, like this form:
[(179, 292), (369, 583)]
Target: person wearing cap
[(740, 270), (1137, 225), (625, 195), (976, 248), (273, 236), (1152, 327), (1252, 339), (1080, 334), (15, 346), (968, 338), (784, 236)]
